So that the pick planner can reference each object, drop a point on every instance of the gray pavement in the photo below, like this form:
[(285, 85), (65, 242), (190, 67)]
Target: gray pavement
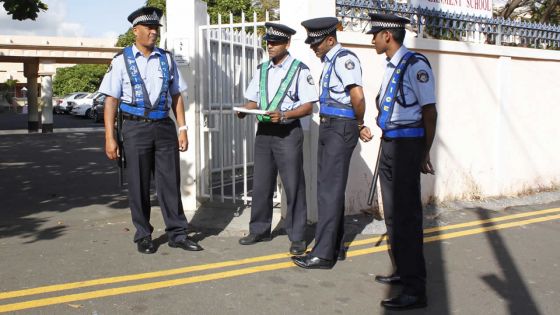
[(63, 220)]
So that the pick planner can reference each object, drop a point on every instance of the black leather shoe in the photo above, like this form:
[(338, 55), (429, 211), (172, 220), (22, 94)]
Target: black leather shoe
[(146, 246), (392, 279), (341, 255), (185, 244), (298, 248), (254, 238), (311, 262), (405, 302)]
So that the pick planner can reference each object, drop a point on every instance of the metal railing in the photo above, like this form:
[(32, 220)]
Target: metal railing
[(228, 57), (431, 23)]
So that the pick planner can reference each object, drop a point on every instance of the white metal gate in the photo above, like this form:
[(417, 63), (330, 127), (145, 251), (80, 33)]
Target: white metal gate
[(228, 57)]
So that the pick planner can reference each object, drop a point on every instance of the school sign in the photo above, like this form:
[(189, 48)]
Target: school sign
[(481, 8)]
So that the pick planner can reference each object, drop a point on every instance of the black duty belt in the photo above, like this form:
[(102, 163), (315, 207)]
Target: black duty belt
[(326, 119), (140, 118)]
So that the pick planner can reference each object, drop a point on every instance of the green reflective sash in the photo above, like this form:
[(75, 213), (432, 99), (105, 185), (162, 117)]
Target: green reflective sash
[(280, 94)]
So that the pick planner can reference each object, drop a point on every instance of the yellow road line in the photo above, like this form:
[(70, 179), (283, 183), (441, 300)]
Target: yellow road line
[(468, 224), (240, 272), (171, 272)]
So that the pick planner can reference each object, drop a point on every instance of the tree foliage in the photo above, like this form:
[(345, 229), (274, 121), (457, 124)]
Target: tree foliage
[(24, 9), (224, 7), (86, 78), (541, 11)]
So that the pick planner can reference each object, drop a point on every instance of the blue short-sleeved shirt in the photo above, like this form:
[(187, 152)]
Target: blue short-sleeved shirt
[(116, 82), (347, 71), (302, 89), (418, 89)]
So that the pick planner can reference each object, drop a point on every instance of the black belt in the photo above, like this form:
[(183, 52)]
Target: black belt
[(326, 119), (140, 118)]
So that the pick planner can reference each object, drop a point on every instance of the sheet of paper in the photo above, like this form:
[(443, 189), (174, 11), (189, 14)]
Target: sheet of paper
[(250, 111)]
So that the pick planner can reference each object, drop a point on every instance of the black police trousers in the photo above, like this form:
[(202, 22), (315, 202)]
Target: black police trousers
[(399, 175), (152, 147), (279, 150), (337, 140)]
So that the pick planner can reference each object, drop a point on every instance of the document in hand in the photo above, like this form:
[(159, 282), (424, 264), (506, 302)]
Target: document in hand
[(250, 111)]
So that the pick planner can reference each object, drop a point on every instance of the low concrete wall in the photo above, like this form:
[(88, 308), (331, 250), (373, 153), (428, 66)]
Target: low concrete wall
[(496, 132)]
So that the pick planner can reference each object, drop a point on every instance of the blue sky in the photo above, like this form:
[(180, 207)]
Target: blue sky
[(75, 18)]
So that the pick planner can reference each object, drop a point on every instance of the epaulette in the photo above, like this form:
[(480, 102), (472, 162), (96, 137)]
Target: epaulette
[(118, 54), (303, 65), (419, 57), (347, 52)]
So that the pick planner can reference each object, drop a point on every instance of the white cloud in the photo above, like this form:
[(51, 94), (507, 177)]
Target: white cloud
[(48, 23)]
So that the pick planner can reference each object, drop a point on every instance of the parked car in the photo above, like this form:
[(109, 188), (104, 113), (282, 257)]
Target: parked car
[(62, 106), (97, 110), (84, 105)]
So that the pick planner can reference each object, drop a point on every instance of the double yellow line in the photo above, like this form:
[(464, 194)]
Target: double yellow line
[(482, 226)]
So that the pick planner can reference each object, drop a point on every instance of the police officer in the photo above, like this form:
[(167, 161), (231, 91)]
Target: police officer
[(283, 86), (145, 80), (407, 117), (342, 111)]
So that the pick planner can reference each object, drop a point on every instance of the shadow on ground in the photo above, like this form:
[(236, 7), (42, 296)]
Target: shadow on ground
[(45, 174)]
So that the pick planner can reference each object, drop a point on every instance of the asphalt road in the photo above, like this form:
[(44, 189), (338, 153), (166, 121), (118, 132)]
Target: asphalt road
[(66, 248)]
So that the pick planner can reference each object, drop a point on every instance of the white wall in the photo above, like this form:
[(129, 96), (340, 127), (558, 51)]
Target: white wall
[(497, 132)]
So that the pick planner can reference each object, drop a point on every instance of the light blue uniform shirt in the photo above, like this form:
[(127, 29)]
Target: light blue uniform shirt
[(116, 82), (347, 71), (418, 89), (302, 89)]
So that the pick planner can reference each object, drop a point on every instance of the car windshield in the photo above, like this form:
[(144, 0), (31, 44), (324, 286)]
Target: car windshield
[(80, 96)]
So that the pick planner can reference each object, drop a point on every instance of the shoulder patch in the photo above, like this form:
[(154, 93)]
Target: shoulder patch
[(349, 64), (423, 76), (310, 80)]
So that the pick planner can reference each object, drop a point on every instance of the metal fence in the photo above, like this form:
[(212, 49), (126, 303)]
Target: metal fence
[(228, 58), (431, 23)]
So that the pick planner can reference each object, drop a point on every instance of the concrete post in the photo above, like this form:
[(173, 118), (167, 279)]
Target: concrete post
[(183, 19), (307, 10), (31, 71), (47, 70), (47, 104)]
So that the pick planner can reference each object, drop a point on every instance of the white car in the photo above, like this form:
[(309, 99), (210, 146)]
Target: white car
[(62, 106), (83, 106)]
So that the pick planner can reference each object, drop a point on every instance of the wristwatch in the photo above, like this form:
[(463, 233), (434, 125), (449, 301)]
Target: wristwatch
[(282, 117)]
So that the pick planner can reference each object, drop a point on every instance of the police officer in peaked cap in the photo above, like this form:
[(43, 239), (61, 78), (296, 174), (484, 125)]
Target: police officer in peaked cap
[(407, 117), (144, 82), (342, 107), (283, 87)]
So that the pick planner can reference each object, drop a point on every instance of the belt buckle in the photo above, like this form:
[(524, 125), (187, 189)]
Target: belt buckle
[(324, 119)]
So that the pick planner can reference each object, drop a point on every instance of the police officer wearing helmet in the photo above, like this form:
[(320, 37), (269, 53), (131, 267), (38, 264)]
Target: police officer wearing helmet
[(407, 116), (342, 108), (145, 80), (282, 86)]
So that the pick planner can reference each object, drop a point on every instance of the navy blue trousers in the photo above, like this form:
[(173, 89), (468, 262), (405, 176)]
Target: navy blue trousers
[(399, 175), (279, 150), (152, 147), (337, 140)]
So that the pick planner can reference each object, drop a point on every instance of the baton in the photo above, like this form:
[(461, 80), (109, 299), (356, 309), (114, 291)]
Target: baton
[(121, 161), (373, 186)]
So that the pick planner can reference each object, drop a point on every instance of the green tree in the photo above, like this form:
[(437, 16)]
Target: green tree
[(24, 9), (86, 78), (9, 89), (224, 7)]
